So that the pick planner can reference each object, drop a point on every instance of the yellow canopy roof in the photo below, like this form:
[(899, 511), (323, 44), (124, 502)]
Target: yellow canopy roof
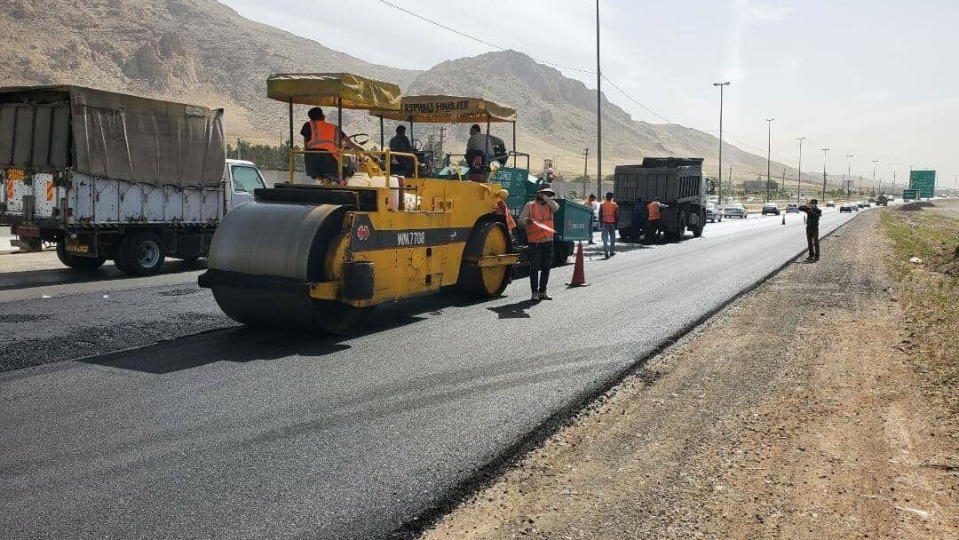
[(325, 89), (453, 109)]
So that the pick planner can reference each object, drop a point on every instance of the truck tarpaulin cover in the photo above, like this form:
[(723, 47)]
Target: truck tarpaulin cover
[(111, 135)]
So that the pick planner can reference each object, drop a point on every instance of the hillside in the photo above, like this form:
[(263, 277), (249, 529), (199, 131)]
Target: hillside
[(203, 52), (198, 51)]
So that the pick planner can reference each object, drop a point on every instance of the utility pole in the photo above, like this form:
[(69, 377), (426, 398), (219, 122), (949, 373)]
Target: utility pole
[(238, 154), (849, 174), (730, 179), (824, 151), (599, 114), (769, 153), (721, 85), (586, 173), (441, 152), (894, 163), (782, 187), (799, 183)]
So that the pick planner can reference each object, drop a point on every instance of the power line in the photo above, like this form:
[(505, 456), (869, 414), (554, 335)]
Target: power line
[(631, 98), (478, 40), (546, 62), (562, 66)]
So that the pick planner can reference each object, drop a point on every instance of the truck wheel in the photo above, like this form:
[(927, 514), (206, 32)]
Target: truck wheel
[(698, 229), (681, 232), (142, 254), (77, 263), (487, 238)]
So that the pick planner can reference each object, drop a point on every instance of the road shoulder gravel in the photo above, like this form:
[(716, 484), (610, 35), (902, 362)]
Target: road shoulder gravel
[(794, 414)]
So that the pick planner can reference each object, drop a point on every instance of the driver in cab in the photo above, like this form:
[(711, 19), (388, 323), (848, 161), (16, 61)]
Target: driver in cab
[(322, 136), (482, 149)]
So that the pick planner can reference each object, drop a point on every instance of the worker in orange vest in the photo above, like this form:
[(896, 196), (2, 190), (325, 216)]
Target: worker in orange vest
[(655, 219), (537, 216), (322, 136), (608, 219)]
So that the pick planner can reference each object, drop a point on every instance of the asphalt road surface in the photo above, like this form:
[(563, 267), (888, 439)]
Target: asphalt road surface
[(132, 408)]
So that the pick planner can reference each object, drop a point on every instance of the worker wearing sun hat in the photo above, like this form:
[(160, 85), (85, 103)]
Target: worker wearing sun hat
[(537, 217)]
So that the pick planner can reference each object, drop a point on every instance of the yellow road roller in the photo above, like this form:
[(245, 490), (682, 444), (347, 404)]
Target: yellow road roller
[(320, 255)]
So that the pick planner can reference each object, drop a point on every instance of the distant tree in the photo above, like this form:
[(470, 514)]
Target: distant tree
[(266, 157)]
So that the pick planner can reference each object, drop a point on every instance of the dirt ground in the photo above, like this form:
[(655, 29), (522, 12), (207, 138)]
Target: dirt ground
[(794, 414)]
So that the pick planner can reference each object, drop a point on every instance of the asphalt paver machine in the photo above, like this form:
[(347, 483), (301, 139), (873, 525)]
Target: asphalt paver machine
[(322, 257)]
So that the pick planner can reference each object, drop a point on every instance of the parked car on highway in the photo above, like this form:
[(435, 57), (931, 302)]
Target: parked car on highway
[(831, 204), (735, 210), (713, 214), (863, 204), (792, 208), (770, 208), (848, 207)]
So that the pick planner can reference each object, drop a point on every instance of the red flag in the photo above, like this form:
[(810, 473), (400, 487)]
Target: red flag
[(542, 226)]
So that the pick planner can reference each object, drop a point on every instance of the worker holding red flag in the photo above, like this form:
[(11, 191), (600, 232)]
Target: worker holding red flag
[(537, 216)]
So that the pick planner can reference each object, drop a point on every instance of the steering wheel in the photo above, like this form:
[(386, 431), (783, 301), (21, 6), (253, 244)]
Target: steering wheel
[(361, 139), (417, 144)]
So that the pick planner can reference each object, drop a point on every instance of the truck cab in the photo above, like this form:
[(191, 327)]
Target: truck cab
[(241, 177)]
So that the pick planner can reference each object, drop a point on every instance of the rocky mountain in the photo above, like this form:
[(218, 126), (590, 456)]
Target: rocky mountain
[(200, 51)]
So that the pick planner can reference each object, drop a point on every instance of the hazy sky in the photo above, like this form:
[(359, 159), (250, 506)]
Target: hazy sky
[(874, 78)]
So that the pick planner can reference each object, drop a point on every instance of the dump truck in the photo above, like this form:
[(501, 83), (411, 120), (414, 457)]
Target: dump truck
[(110, 176), (677, 182), (321, 254)]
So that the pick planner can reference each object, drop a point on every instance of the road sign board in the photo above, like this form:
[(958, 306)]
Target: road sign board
[(910, 194), (924, 181)]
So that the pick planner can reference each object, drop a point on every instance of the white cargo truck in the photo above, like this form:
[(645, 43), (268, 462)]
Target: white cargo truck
[(110, 176)]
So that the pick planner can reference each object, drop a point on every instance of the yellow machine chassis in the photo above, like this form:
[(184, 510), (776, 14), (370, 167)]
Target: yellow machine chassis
[(413, 251)]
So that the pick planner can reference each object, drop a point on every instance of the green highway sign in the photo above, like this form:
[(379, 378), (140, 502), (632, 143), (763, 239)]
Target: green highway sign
[(924, 182), (910, 194)]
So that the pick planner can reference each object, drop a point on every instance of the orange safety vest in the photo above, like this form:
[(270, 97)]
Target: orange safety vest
[(653, 209), (543, 214), (608, 210), (322, 137)]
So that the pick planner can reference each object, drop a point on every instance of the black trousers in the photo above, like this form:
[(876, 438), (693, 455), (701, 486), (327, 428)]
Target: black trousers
[(652, 230), (812, 240), (540, 261)]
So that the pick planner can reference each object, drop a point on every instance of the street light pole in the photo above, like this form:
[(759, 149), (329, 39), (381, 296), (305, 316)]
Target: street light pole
[(799, 184), (849, 174), (824, 151), (599, 116), (721, 85), (769, 152), (874, 163), (894, 177)]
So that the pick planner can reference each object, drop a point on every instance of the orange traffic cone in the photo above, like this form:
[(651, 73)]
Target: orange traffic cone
[(579, 272)]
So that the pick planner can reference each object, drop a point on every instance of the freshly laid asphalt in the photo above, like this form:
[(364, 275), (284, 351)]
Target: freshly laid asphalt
[(135, 409)]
